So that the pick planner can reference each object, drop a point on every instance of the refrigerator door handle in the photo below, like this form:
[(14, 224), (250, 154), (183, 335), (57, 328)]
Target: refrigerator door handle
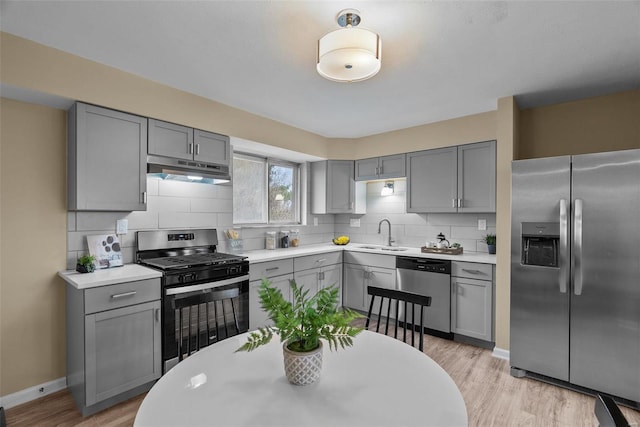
[(564, 235), (577, 248)]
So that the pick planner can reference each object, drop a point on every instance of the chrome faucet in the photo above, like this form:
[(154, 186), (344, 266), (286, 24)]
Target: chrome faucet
[(379, 230)]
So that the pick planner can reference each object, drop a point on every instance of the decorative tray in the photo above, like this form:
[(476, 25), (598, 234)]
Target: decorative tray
[(448, 251)]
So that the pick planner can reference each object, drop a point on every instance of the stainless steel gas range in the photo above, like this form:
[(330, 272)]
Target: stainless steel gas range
[(192, 269)]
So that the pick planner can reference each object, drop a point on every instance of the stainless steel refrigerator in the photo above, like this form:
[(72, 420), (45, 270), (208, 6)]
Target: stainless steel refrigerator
[(575, 270)]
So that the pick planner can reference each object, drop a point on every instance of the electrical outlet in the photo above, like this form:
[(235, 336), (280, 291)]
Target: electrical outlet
[(482, 224), (122, 226), (315, 221), (354, 222)]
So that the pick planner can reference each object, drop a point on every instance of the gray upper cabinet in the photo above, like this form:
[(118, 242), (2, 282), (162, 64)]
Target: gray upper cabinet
[(477, 177), (181, 142), (106, 164), (211, 147), (452, 179), (333, 188), (386, 167), (170, 140)]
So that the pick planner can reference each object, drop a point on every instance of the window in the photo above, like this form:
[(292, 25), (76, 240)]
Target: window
[(265, 191)]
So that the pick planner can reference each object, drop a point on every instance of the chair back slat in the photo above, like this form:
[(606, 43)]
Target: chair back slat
[(193, 334), (394, 296)]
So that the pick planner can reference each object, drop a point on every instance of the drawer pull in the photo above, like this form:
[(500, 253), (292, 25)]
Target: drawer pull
[(122, 295), (321, 260), (272, 269), (472, 271)]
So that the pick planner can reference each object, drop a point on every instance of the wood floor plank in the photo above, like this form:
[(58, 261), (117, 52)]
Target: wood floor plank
[(493, 397)]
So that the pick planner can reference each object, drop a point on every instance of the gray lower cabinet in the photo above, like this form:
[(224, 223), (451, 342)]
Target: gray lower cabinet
[(106, 160), (182, 142), (472, 300), (362, 270), (279, 273), (113, 342), (315, 272), (386, 167), (452, 179)]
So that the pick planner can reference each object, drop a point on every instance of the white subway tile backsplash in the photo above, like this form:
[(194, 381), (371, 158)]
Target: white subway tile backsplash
[(174, 204), (458, 232), (71, 221), (169, 220), (167, 203), (142, 220), (86, 221), (76, 241), (187, 189), (452, 219), (211, 205), (152, 185)]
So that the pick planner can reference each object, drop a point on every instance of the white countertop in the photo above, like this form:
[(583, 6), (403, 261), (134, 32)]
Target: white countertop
[(380, 381), (275, 254), (108, 276)]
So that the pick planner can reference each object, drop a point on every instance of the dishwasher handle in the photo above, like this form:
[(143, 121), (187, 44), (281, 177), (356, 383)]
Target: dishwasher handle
[(430, 265)]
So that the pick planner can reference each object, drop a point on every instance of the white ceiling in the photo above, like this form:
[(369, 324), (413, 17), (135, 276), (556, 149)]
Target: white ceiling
[(440, 59)]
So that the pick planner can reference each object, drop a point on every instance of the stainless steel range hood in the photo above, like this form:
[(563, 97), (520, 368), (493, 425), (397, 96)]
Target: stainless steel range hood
[(188, 170)]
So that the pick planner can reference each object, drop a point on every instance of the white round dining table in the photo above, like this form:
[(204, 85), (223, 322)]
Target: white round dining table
[(379, 381)]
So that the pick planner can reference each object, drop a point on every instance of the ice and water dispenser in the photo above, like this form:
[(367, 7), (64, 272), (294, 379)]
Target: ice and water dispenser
[(540, 243)]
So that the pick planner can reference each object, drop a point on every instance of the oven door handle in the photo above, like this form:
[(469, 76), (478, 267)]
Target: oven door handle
[(208, 285)]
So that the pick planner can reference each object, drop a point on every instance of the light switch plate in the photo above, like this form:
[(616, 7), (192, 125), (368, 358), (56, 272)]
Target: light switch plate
[(122, 226), (482, 224), (354, 222)]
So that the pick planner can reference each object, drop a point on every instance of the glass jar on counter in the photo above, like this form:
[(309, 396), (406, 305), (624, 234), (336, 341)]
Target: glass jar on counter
[(270, 240), (284, 239), (294, 238)]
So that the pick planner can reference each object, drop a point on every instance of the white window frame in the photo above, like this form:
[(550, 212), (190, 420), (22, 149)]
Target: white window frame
[(297, 198)]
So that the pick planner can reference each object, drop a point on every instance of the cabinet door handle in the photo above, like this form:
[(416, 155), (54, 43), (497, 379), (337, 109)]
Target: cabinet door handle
[(190, 148), (157, 314), (124, 294), (453, 203), (272, 269), (144, 197), (459, 203), (471, 271), (321, 260), (197, 149)]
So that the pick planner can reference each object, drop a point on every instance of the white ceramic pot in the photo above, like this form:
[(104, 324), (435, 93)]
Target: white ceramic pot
[(302, 368)]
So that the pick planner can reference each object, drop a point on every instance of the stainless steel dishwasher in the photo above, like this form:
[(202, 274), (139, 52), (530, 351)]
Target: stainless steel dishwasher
[(430, 277)]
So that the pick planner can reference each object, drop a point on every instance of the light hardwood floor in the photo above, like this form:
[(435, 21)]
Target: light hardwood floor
[(493, 397)]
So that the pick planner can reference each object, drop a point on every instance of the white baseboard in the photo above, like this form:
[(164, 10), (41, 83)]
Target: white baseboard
[(500, 353), (32, 393)]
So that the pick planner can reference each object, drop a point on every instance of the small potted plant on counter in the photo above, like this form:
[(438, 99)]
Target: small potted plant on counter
[(490, 240), (301, 324), (86, 264)]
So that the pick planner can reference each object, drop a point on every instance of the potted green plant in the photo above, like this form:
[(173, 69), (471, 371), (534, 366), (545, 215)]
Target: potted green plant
[(301, 324), (490, 240), (85, 264)]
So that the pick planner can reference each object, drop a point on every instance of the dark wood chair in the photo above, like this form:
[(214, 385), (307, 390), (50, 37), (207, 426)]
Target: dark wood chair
[(608, 413), (398, 313), (201, 324)]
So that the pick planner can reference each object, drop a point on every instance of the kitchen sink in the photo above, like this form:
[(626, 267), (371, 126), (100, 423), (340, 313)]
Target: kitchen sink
[(382, 248)]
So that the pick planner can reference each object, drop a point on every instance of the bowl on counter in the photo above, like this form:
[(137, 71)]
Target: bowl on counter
[(341, 240)]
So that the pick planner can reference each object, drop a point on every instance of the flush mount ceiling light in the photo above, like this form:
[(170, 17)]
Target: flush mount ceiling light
[(349, 54)]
